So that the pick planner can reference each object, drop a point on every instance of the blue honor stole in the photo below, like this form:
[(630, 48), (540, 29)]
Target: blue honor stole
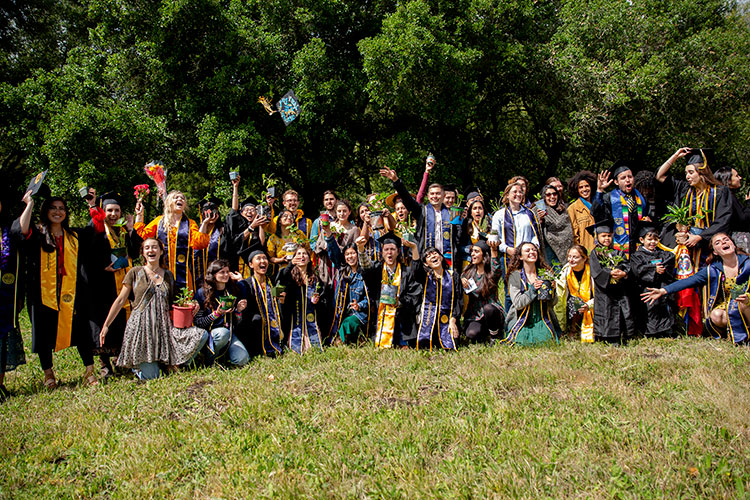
[(304, 321), (737, 327), (269, 312), (508, 230), (624, 220), (343, 299), (437, 307), (179, 260), (446, 230), (523, 315), (302, 225)]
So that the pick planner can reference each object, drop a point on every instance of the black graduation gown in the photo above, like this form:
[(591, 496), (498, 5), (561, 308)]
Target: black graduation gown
[(612, 312), (44, 319), (409, 299), (603, 211), (418, 211), (676, 191), (658, 317), (218, 247), (294, 297), (11, 298), (238, 245), (103, 284), (250, 329)]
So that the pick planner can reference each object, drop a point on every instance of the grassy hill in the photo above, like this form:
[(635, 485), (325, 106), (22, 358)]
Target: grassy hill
[(655, 419)]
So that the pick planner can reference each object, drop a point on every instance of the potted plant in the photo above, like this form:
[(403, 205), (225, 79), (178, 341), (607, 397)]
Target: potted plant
[(227, 302), (182, 310), (683, 221), (546, 291), (493, 237), (405, 229), (610, 259), (736, 290), (277, 290), (456, 210), (377, 207)]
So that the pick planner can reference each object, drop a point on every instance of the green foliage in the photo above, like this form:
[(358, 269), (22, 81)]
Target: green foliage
[(93, 89)]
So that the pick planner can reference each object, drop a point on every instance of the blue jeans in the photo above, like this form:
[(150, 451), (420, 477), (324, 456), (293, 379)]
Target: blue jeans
[(235, 350), (148, 371)]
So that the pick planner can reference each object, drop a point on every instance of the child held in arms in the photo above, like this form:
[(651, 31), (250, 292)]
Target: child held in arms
[(613, 316), (653, 267)]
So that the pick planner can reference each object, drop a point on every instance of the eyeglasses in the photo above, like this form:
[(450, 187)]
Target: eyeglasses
[(550, 194)]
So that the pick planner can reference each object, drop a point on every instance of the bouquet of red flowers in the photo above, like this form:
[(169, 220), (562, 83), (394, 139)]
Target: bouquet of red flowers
[(155, 170), (140, 191)]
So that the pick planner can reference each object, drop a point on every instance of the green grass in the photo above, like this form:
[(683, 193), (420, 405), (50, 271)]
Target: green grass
[(668, 418)]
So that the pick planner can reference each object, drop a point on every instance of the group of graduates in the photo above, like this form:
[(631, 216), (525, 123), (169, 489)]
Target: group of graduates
[(266, 278)]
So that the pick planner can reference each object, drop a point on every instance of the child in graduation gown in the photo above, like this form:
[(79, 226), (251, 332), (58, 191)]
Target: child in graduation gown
[(441, 301), (652, 267), (613, 315)]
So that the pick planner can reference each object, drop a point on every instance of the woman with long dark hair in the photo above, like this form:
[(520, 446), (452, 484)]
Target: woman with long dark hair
[(484, 316), (575, 290), (220, 316), (305, 298), (707, 200), (282, 244), (57, 288), (150, 339), (441, 302), (530, 319), (475, 226)]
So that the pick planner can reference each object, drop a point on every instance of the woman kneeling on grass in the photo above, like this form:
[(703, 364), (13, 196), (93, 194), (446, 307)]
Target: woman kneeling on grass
[(149, 337), (725, 299), (531, 319)]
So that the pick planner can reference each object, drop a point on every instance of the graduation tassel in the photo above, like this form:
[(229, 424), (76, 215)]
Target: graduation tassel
[(266, 104)]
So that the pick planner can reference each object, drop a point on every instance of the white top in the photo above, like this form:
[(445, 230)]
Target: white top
[(522, 223)]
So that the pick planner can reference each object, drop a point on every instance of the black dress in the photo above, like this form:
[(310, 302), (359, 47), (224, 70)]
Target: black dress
[(656, 318)]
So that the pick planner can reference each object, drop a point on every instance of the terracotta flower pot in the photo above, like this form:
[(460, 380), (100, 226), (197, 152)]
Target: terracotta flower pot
[(182, 317), (376, 220)]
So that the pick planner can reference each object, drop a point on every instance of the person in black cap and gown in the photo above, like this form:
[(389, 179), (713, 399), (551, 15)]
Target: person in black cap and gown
[(708, 201), (217, 238), (260, 327), (652, 267), (245, 231), (613, 316), (114, 248), (394, 292), (624, 205)]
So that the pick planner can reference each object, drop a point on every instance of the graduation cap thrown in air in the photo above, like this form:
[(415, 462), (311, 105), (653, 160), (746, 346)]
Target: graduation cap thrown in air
[(701, 155), (288, 107), (604, 226)]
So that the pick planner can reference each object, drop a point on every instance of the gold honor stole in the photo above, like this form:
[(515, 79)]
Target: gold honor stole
[(386, 313), (119, 273), (48, 280), (584, 292)]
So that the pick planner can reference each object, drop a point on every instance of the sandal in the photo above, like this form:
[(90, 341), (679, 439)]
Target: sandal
[(89, 377), (50, 382)]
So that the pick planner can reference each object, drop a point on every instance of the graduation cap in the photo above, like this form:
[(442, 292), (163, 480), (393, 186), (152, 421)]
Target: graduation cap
[(288, 107), (38, 187), (208, 203), (619, 167), (604, 226), (390, 237), (248, 201), (646, 229), (701, 155), (110, 198)]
